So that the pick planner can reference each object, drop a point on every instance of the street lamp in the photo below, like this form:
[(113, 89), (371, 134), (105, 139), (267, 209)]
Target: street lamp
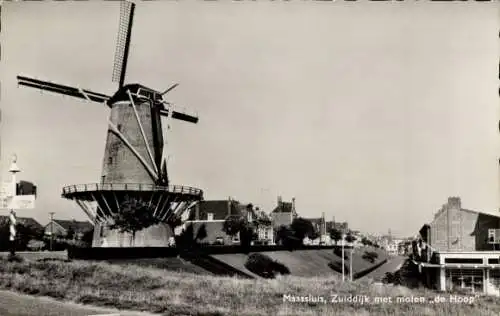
[(51, 229), (343, 263), (14, 169), (350, 264)]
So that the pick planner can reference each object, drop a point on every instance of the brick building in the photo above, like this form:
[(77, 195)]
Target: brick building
[(458, 229), (61, 228), (211, 214), (284, 213), (457, 250)]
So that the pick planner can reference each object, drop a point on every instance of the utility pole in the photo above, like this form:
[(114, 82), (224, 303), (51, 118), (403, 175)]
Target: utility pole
[(51, 229)]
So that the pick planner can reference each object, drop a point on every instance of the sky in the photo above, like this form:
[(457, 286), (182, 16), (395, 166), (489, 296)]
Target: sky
[(374, 113)]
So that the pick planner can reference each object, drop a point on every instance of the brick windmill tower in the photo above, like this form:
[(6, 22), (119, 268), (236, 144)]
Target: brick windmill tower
[(135, 155)]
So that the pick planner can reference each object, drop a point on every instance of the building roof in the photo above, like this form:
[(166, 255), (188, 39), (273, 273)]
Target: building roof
[(457, 203), (487, 213), (219, 209), (283, 207), (26, 221), (77, 226)]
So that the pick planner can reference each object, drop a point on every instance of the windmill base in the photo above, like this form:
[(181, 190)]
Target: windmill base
[(101, 200), (155, 236)]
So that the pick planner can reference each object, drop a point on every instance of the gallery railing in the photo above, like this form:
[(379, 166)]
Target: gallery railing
[(130, 187)]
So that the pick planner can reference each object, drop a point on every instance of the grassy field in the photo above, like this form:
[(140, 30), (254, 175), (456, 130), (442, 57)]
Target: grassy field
[(180, 293)]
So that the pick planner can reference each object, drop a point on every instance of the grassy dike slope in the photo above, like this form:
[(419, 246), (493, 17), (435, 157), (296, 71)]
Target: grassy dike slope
[(172, 293), (307, 263)]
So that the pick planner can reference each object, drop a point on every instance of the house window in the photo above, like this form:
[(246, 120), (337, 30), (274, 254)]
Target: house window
[(110, 160), (470, 280), (491, 235), (210, 216)]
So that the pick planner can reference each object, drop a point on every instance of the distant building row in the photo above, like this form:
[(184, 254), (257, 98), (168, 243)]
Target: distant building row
[(57, 227), (211, 214)]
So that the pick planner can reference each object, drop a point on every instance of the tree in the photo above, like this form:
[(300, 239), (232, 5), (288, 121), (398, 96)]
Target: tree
[(233, 225), (201, 233), (350, 238), (135, 214), (88, 236), (314, 235), (286, 237), (302, 228), (246, 236), (366, 242), (185, 240), (70, 234), (262, 220), (26, 232), (335, 235)]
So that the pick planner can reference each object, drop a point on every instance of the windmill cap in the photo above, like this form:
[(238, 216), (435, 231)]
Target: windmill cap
[(14, 167)]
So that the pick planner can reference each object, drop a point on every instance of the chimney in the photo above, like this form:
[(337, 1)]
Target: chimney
[(279, 201), (454, 202), (293, 205), (229, 205)]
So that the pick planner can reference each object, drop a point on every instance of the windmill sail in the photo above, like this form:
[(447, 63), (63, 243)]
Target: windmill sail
[(123, 41), (62, 89)]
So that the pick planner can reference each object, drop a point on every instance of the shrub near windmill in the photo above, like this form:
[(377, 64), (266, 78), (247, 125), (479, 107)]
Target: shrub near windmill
[(134, 167)]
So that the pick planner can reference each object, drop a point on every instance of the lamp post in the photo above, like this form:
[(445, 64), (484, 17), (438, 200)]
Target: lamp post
[(350, 263), (14, 169), (51, 229), (343, 263)]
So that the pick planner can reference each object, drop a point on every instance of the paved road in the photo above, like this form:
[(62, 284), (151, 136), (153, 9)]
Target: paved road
[(392, 265), (14, 304)]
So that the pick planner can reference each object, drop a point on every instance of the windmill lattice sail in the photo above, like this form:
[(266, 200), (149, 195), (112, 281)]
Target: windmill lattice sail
[(123, 41)]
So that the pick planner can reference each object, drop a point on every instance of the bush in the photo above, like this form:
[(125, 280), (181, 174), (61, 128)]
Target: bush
[(337, 266), (60, 244), (286, 236), (264, 266), (36, 245), (14, 258), (338, 252), (392, 278), (370, 256)]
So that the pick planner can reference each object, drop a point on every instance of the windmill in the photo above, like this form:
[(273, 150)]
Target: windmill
[(135, 155)]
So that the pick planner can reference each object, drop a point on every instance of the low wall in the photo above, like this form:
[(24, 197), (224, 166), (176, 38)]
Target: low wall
[(39, 255)]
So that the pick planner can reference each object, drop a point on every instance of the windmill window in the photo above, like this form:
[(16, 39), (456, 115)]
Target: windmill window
[(119, 127)]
